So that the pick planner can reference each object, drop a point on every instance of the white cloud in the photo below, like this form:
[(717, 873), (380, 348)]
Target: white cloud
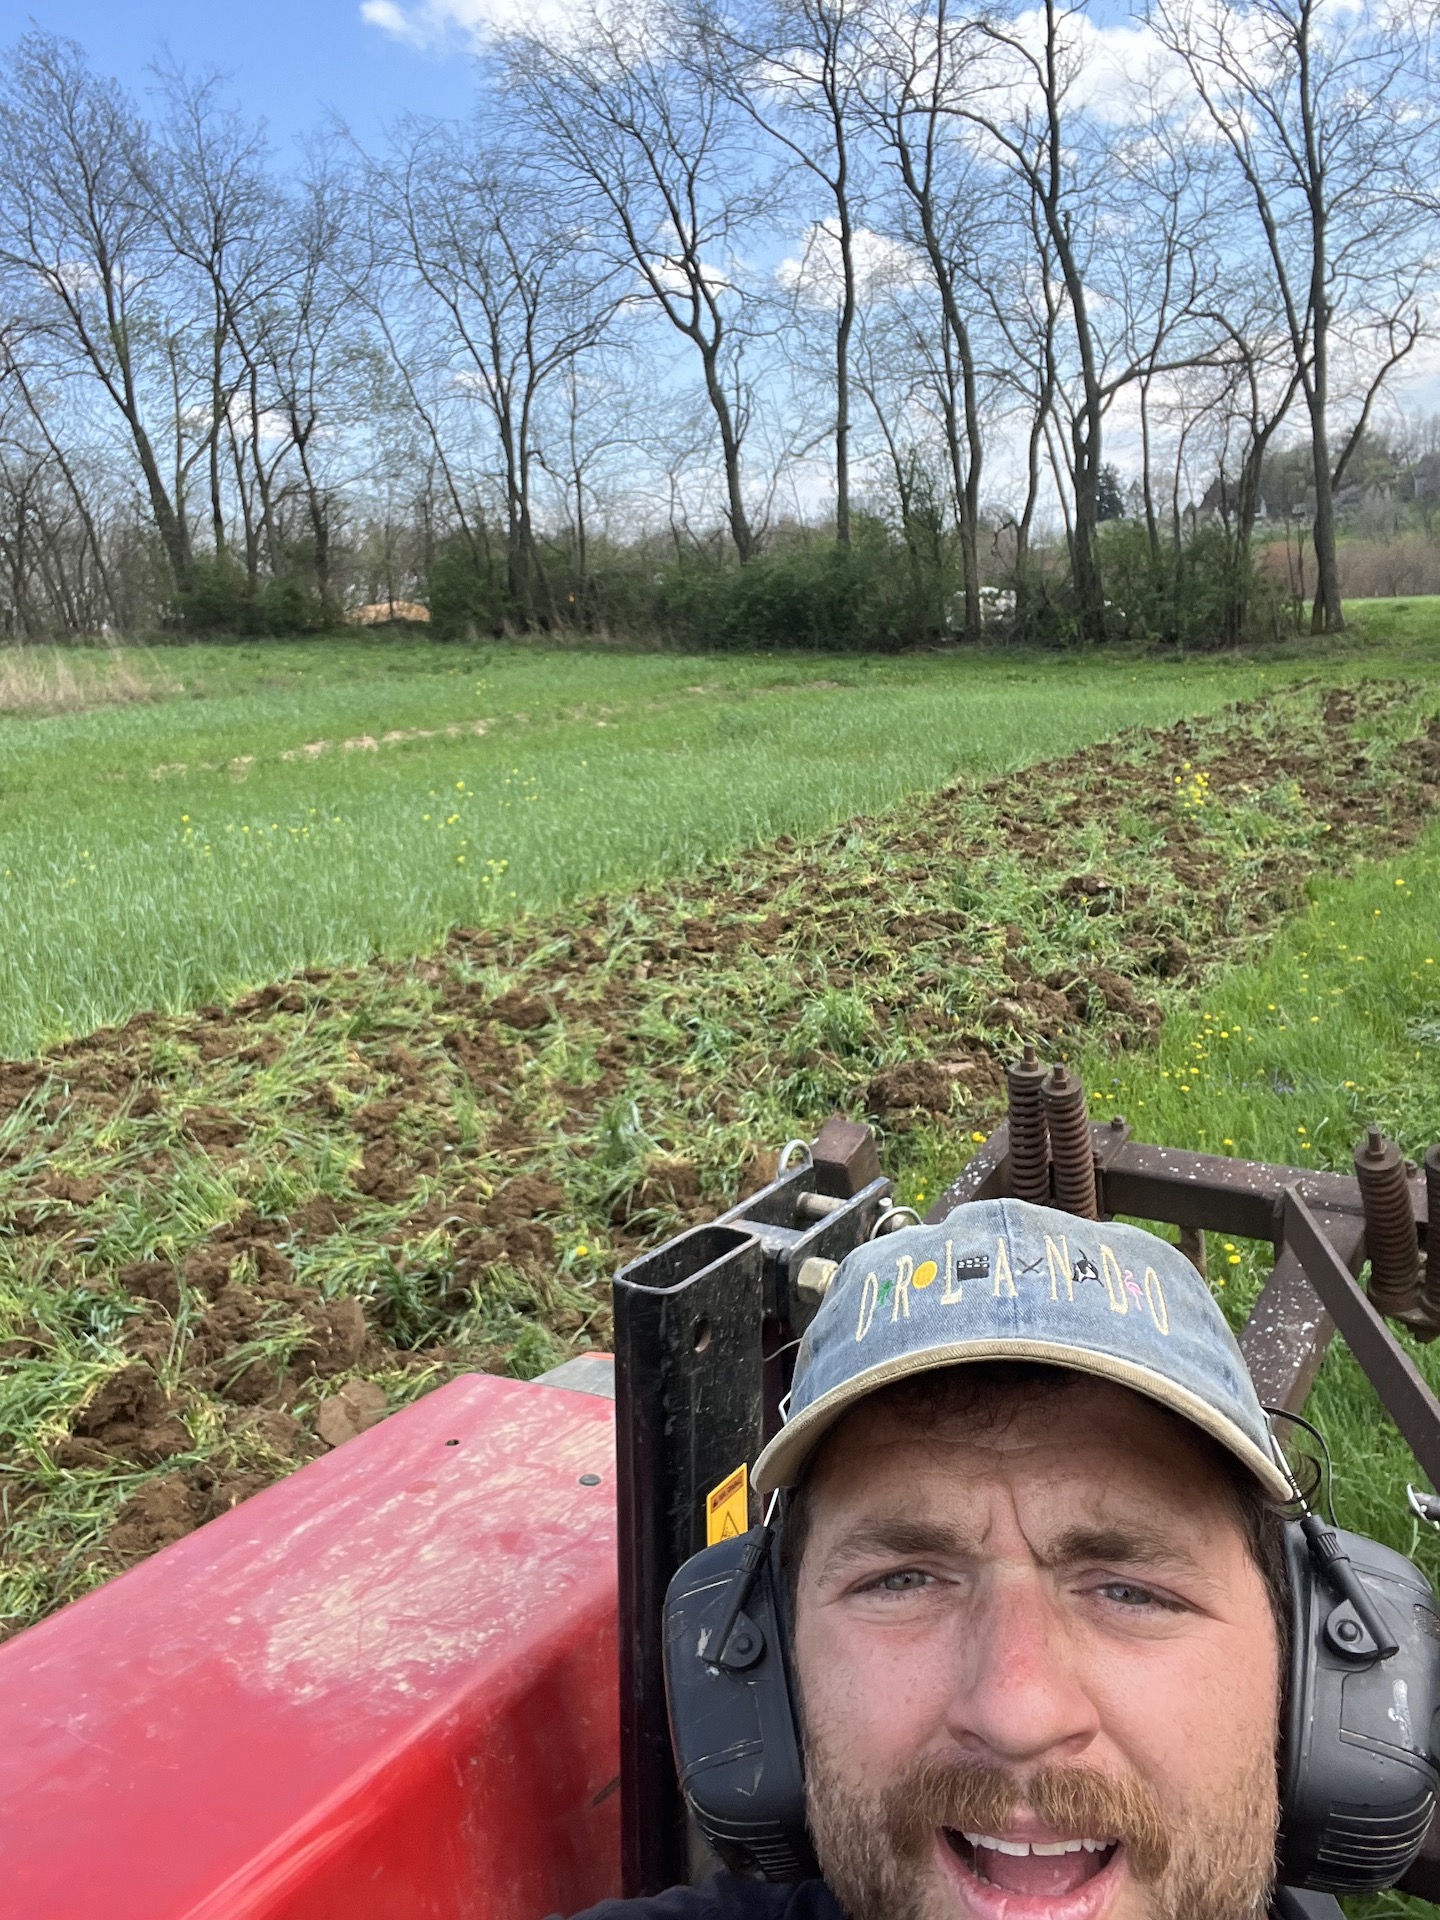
[(461, 25), (1116, 72), (814, 274)]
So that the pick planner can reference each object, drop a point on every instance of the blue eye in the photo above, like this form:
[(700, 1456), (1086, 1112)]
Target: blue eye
[(906, 1580), (1126, 1594)]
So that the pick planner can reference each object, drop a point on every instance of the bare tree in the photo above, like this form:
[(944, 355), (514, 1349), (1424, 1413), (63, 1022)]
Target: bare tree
[(1329, 122), (519, 293), (217, 211), (794, 67), (916, 73), (86, 254), (31, 420), (310, 351), (1026, 300), (647, 143), (1257, 388), (1020, 101), (1116, 224)]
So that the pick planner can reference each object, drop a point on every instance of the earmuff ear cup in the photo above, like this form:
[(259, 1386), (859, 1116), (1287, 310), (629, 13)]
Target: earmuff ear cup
[(733, 1727), (1358, 1775)]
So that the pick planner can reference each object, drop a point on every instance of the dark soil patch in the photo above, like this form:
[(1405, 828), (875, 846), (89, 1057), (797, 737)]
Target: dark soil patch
[(213, 1227)]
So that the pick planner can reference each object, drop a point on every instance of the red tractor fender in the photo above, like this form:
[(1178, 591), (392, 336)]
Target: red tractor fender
[(383, 1689)]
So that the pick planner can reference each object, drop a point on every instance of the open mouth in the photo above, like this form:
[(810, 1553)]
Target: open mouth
[(1041, 1869)]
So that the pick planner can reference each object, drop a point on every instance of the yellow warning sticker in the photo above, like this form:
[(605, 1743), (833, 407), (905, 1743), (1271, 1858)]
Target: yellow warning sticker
[(727, 1508)]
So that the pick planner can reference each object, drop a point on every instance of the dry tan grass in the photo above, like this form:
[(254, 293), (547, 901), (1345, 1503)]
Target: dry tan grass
[(381, 613), (1371, 566), (41, 680)]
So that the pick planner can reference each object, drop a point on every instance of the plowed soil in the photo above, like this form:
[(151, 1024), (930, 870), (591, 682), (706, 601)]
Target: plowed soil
[(230, 1240)]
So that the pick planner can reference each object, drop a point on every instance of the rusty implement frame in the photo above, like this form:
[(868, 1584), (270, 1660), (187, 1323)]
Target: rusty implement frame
[(1315, 1222)]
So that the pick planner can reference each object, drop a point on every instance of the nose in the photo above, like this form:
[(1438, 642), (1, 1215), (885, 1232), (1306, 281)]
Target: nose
[(1019, 1695)]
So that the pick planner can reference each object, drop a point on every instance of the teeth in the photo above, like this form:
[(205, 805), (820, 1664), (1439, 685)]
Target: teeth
[(1045, 1848)]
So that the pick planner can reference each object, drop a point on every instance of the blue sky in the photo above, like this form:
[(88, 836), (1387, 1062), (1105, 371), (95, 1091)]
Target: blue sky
[(293, 61), (297, 62)]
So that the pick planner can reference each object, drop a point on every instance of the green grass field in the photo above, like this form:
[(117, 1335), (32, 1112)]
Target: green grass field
[(1411, 623), (367, 1179), (426, 1154), (290, 806)]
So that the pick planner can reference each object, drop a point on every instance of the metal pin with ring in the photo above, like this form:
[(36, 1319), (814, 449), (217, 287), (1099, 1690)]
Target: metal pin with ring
[(892, 1218)]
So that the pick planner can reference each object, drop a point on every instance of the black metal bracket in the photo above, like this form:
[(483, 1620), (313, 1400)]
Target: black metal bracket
[(704, 1327), (688, 1369)]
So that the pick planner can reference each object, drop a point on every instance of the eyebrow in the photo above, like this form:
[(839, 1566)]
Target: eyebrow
[(1133, 1547), (902, 1538), (1078, 1546)]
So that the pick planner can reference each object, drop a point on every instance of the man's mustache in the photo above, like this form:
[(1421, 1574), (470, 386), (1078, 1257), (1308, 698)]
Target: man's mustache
[(1075, 1803)]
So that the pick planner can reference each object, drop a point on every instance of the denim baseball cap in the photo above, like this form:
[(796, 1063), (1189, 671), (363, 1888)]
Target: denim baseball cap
[(1005, 1280)]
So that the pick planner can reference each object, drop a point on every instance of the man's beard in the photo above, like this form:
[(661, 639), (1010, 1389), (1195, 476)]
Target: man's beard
[(876, 1849)]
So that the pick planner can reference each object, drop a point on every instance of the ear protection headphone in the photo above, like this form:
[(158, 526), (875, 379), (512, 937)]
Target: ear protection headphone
[(1359, 1725)]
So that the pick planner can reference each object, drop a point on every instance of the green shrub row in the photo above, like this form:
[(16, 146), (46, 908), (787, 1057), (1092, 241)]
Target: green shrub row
[(218, 597), (879, 594)]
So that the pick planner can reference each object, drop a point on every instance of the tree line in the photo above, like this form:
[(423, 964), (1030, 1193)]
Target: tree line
[(777, 310)]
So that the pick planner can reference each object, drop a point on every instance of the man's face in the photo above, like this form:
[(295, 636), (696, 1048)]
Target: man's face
[(1022, 1634)]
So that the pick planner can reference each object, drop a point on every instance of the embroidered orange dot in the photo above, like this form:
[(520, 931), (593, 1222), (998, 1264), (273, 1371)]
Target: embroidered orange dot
[(924, 1274)]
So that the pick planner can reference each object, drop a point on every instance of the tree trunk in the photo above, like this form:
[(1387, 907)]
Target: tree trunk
[(1089, 588), (741, 531), (218, 409), (1152, 527), (842, 373)]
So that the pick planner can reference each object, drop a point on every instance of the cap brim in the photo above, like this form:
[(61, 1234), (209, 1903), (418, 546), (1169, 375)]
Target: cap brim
[(780, 1463)]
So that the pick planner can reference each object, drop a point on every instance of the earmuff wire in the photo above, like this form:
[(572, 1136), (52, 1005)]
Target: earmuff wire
[(1330, 1559), (1333, 1561), (1299, 1420), (757, 1548), (742, 1584)]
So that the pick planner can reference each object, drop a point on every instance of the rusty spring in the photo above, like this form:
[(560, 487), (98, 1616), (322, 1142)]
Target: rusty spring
[(1029, 1135), (1071, 1151), (1390, 1234)]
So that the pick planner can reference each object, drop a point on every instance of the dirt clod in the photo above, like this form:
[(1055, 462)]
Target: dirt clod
[(910, 1084), (359, 1405), (156, 1514), (152, 1280), (520, 1010), (132, 1397), (337, 1336)]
